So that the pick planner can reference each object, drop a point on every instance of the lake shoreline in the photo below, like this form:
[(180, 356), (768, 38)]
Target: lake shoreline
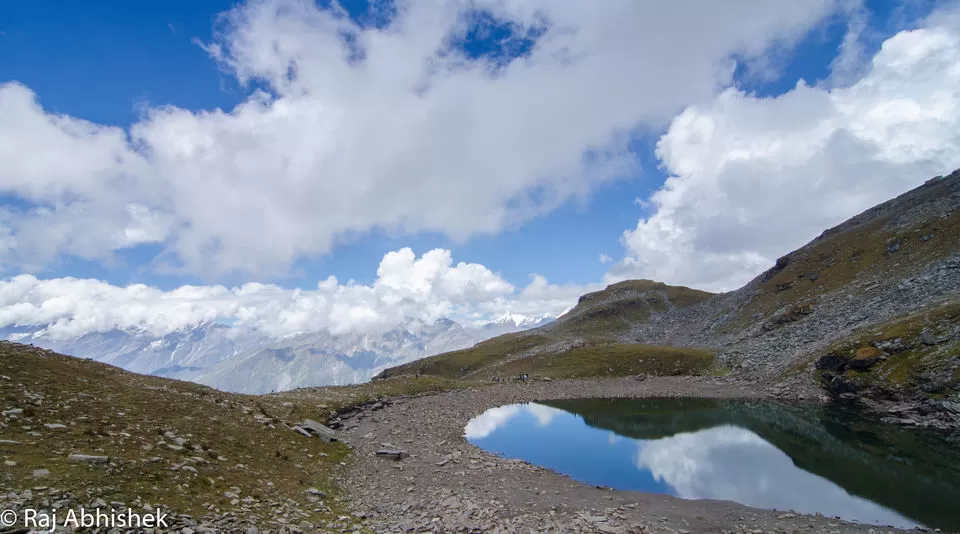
[(449, 485)]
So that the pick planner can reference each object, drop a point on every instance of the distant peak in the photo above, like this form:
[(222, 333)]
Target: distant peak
[(518, 320)]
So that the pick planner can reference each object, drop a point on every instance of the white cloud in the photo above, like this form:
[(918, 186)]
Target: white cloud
[(406, 140), (604, 259), (408, 290), (753, 178)]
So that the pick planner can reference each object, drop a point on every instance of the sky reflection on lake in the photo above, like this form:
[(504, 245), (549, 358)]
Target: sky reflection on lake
[(724, 462)]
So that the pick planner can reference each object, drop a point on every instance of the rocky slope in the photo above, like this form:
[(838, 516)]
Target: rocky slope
[(208, 459), (897, 260), (74, 432)]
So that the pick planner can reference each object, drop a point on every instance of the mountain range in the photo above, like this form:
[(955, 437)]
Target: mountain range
[(242, 360)]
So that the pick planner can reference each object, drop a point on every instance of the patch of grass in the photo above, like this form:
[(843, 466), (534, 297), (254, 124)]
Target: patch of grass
[(322, 402), (717, 369), (461, 363), (797, 368), (609, 360)]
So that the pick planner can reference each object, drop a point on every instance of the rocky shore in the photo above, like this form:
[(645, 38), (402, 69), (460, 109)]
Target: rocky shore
[(448, 485)]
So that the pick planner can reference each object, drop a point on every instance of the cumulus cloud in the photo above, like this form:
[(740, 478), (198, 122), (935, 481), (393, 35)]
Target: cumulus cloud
[(753, 178), (366, 128), (408, 291)]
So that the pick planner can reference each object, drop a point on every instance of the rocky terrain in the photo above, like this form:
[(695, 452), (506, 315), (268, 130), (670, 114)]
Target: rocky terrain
[(872, 273)]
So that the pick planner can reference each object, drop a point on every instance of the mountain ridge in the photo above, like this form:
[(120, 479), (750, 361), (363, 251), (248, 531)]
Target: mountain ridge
[(895, 259)]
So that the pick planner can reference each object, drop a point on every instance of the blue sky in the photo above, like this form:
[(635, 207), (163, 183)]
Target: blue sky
[(102, 61), (520, 138)]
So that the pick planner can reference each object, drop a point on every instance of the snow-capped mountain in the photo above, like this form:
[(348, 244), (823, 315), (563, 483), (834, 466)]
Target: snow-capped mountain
[(520, 321), (245, 361)]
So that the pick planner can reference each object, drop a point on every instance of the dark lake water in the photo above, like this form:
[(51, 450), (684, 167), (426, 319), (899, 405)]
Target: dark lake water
[(763, 454)]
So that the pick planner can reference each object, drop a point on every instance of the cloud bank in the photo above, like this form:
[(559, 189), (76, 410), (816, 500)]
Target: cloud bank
[(408, 291), (359, 128)]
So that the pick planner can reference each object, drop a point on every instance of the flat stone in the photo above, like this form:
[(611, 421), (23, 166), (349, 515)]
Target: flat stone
[(396, 454), (9, 442), (323, 432), (173, 437), (40, 473), (87, 459), (300, 430), (55, 426)]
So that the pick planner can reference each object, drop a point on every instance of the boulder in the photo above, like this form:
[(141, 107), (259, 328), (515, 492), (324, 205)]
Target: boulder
[(323, 432)]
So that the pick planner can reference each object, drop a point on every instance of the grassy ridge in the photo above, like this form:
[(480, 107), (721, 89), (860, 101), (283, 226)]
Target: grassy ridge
[(586, 360), (584, 342), (610, 360)]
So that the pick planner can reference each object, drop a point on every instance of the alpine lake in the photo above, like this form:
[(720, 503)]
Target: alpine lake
[(764, 454)]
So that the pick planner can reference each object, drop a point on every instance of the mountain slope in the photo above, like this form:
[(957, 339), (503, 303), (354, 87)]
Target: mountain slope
[(899, 258), (178, 444), (598, 320)]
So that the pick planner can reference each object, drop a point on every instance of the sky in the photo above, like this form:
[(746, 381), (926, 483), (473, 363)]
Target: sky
[(297, 165)]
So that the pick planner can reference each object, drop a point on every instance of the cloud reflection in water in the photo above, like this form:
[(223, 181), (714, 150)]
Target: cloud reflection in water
[(735, 464), (723, 462)]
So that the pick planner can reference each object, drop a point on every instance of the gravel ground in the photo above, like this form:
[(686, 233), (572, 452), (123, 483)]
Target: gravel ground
[(449, 485)]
